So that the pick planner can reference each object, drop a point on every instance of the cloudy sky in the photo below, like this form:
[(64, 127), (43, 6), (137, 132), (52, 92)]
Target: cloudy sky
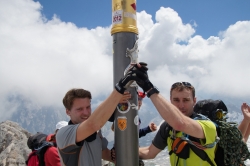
[(48, 47)]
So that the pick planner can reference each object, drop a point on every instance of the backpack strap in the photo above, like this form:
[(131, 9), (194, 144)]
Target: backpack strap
[(196, 144), (202, 154), (41, 151), (202, 117), (196, 147), (169, 128)]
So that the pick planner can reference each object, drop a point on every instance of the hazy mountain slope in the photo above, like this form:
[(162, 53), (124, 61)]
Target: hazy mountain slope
[(34, 117)]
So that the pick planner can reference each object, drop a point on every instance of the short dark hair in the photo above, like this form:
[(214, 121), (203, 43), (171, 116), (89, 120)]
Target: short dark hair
[(180, 86), (73, 94)]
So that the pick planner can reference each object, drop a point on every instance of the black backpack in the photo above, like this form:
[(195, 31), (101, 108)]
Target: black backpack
[(38, 144), (231, 149)]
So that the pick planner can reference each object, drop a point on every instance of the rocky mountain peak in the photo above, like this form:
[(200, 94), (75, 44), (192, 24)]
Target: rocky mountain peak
[(13, 144)]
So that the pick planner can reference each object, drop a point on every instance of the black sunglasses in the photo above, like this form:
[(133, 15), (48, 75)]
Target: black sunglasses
[(186, 84)]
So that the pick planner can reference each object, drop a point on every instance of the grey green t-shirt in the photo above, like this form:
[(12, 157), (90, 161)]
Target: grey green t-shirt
[(88, 153)]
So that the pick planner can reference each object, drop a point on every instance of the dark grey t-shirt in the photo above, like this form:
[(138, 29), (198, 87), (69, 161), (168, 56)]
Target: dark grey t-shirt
[(87, 154), (160, 139)]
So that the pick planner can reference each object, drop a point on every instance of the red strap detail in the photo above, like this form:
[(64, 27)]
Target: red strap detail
[(133, 6)]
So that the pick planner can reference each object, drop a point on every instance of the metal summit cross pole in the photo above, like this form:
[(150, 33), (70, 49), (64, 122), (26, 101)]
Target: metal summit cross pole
[(125, 53)]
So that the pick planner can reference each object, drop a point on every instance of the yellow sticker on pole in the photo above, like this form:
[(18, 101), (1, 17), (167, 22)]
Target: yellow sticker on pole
[(122, 122)]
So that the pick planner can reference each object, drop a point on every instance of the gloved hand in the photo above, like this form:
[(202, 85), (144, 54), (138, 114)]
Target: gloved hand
[(113, 154), (133, 74), (143, 80), (141, 163)]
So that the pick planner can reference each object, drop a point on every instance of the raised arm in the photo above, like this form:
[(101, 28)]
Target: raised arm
[(244, 126), (124, 99), (175, 118), (168, 111), (149, 152), (150, 128), (103, 112), (99, 117)]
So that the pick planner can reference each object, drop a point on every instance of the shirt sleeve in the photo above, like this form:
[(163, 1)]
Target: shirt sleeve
[(209, 130), (160, 139), (144, 131), (66, 136)]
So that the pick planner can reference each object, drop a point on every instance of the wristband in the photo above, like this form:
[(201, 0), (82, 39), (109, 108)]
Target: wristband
[(153, 91)]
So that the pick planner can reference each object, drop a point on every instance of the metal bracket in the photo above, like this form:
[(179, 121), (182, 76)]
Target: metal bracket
[(133, 55)]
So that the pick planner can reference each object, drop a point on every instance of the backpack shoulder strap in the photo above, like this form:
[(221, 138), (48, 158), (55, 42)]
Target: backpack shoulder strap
[(41, 151), (202, 117), (202, 154), (199, 149), (168, 129)]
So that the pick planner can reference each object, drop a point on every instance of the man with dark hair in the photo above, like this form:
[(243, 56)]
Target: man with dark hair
[(80, 143), (179, 122)]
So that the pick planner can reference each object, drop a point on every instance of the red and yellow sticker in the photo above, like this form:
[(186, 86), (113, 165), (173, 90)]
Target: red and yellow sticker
[(122, 122)]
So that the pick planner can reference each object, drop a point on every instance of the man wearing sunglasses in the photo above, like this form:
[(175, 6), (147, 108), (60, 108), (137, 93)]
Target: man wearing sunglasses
[(179, 115)]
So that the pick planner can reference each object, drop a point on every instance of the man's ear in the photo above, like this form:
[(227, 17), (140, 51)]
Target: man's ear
[(194, 100), (67, 112)]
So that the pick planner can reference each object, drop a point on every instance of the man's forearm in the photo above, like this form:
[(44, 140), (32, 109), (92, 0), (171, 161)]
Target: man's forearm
[(103, 112), (175, 118), (243, 126), (168, 111), (143, 152), (99, 117), (149, 152)]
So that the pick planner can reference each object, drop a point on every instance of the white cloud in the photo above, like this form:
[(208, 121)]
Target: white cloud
[(41, 59)]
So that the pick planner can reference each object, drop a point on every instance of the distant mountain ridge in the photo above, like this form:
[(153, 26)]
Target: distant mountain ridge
[(40, 119), (33, 118)]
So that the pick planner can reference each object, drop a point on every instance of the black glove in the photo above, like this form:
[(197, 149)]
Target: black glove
[(112, 154), (141, 163), (133, 74), (143, 80)]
